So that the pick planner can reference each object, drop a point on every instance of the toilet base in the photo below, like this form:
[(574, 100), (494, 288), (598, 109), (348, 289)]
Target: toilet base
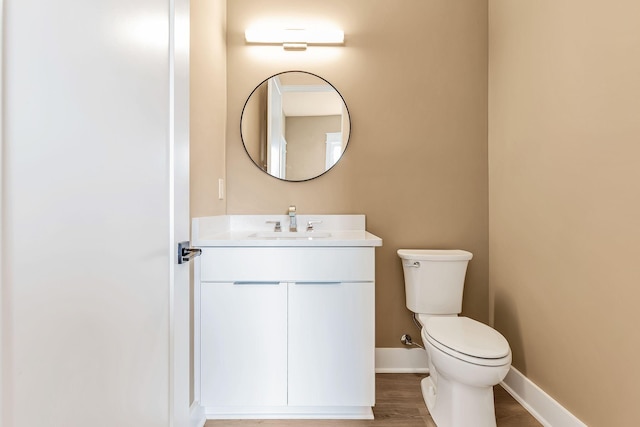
[(457, 405), (428, 392)]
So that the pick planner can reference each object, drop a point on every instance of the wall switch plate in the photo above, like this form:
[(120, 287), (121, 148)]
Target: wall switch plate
[(220, 188)]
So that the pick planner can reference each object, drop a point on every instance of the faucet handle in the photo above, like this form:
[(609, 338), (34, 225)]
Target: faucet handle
[(277, 226), (310, 224)]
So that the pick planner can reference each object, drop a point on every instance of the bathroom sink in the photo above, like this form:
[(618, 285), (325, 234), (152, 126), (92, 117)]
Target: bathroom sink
[(259, 231), (278, 235)]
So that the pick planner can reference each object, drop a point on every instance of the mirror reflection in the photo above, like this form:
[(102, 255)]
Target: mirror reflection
[(295, 126)]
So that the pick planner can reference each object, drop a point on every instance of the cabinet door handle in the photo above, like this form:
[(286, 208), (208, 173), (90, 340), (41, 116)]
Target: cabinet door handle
[(255, 283), (318, 283)]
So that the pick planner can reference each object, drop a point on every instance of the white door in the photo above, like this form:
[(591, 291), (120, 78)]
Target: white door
[(94, 144)]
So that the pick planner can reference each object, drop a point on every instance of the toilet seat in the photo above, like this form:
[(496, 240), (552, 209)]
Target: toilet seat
[(467, 340)]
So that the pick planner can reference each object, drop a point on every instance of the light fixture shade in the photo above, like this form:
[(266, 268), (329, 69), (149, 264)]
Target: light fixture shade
[(301, 36)]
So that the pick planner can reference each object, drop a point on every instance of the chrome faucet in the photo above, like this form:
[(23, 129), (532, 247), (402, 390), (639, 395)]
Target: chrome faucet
[(293, 224)]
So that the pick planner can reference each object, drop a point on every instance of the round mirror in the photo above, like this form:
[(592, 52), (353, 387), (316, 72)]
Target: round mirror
[(295, 126)]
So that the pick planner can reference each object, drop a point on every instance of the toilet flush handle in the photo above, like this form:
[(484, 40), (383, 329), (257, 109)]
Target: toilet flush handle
[(416, 264)]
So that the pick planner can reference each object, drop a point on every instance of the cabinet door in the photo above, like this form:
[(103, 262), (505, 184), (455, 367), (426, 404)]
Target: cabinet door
[(244, 344), (331, 344)]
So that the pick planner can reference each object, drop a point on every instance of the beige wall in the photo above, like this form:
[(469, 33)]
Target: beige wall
[(414, 76), (564, 156), (208, 105)]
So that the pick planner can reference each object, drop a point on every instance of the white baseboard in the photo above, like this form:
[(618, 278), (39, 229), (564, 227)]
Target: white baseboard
[(196, 415), (401, 360), (539, 404)]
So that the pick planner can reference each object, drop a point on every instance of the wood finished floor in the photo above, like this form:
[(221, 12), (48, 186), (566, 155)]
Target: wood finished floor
[(398, 404)]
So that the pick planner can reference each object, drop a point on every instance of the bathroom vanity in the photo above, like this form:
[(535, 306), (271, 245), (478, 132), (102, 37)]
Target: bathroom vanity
[(284, 320)]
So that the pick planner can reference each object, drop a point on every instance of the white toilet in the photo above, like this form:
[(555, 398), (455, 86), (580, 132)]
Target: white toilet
[(466, 358)]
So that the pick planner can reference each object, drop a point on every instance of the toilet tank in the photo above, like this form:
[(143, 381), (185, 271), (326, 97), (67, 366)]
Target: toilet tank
[(434, 279)]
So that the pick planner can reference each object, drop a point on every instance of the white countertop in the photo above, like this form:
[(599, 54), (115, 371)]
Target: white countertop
[(253, 230)]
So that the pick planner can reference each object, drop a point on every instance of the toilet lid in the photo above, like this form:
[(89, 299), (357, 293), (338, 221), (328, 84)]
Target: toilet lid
[(468, 337)]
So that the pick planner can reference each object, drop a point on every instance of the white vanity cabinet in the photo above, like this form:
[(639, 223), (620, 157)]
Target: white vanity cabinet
[(286, 332), (331, 344), (243, 344)]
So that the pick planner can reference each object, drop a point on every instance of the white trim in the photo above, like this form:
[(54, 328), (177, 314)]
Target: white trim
[(289, 412), (401, 361), (196, 415), (178, 199), (308, 88), (173, 357), (2, 344), (539, 404)]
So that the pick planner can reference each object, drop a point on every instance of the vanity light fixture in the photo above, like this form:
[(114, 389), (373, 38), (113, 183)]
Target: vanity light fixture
[(294, 38)]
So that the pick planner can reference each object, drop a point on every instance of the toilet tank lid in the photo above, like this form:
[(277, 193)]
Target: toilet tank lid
[(468, 336), (435, 254)]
